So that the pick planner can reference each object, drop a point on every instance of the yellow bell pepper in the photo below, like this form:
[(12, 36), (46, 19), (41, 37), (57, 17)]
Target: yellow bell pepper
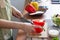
[(35, 4)]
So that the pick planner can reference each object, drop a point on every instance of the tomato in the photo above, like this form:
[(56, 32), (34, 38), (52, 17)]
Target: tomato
[(38, 30)]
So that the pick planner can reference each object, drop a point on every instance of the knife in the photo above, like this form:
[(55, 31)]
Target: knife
[(25, 20)]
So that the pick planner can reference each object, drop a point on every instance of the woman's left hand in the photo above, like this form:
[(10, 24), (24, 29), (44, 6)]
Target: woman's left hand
[(16, 13)]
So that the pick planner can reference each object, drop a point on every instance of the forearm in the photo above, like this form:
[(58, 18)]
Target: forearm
[(11, 24)]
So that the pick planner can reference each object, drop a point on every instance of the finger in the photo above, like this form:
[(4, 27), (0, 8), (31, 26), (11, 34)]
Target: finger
[(15, 15), (33, 28), (19, 14), (36, 26)]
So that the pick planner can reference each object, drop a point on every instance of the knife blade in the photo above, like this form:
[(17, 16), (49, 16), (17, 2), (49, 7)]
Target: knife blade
[(25, 20)]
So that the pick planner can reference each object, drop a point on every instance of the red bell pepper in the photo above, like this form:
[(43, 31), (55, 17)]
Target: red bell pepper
[(39, 23), (38, 30), (30, 8)]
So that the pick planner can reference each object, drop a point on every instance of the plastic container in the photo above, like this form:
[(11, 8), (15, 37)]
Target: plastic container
[(53, 33)]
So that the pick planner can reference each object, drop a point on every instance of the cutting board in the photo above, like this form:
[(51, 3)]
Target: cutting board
[(44, 34)]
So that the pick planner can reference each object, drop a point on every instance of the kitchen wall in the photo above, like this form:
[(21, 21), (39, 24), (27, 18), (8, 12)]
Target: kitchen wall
[(19, 4)]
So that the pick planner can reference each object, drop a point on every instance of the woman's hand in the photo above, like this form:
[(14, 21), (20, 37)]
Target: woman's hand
[(16, 12), (29, 28)]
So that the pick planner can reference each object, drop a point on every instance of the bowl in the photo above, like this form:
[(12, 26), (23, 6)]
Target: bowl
[(37, 13), (43, 8), (53, 33), (56, 20)]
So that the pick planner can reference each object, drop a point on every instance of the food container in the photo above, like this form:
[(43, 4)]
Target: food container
[(43, 8), (56, 20), (53, 33), (37, 13)]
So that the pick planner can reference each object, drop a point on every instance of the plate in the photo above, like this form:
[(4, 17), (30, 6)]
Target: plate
[(37, 13)]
